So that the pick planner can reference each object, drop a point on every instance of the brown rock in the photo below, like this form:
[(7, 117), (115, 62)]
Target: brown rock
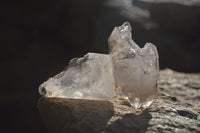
[(177, 109)]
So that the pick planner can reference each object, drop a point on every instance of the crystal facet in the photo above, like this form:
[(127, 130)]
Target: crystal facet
[(135, 69)]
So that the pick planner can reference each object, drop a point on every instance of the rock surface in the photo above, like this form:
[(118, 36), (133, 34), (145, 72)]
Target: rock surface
[(177, 109)]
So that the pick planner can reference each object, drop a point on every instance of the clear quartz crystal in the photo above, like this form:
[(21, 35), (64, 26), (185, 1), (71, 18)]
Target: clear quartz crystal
[(135, 69), (128, 68), (89, 77)]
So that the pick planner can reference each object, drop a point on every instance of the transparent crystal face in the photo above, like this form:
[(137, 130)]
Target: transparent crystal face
[(135, 69)]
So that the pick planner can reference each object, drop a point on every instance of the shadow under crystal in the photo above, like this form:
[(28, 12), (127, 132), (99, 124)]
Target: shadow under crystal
[(131, 123), (62, 115)]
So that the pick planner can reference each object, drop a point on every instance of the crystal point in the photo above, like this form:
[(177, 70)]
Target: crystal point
[(135, 69)]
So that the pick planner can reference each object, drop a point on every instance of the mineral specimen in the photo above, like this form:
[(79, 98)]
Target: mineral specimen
[(135, 69), (89, 77), (128, 68)]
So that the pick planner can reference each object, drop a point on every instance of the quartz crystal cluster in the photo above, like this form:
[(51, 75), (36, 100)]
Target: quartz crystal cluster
[(128, 69)]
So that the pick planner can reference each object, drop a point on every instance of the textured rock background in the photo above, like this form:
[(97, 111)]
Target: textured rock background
[(38, 38), (177, 109)]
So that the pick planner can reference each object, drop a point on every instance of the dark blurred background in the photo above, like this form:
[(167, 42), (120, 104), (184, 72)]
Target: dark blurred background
[(39, 37)]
